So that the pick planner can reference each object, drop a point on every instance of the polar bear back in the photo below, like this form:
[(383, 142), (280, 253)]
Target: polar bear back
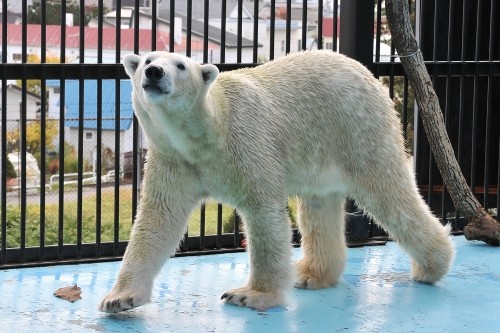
[(307, 108)]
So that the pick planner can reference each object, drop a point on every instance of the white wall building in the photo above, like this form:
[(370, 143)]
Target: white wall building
[(14, 106)]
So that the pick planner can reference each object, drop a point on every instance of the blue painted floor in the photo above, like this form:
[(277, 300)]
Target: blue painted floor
[(375, 295)]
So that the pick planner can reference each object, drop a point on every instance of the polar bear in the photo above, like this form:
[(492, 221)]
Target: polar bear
[(314, 124)]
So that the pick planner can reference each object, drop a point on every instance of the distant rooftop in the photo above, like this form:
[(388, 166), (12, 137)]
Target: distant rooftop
[(53, 38), (214, 33), (197, 26), (214, 9)]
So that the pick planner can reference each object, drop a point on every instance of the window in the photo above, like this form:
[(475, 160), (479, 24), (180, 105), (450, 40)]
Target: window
[(88, 135)]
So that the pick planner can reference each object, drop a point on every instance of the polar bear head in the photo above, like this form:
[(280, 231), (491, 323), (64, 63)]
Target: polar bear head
[(167, 78)]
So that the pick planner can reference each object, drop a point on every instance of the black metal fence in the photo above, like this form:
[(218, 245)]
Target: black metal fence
[(460, 40), (65, 103)]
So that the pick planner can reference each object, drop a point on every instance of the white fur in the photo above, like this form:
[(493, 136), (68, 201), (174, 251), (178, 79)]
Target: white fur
[(316, 125)]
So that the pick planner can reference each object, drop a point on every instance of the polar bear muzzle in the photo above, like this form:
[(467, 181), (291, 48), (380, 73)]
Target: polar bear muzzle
[(155, 81), (154, 73)]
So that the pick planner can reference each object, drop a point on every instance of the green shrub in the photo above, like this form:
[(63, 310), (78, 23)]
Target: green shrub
[(228, 224), (107, 220), (211, 215), (70, 221)]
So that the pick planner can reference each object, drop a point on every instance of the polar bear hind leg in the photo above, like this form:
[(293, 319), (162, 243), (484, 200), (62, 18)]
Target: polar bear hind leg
[(394, 202), (321, 224)]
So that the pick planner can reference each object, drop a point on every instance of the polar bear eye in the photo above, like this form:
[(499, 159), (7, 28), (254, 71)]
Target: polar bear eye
[(148, 61), (181, 67)]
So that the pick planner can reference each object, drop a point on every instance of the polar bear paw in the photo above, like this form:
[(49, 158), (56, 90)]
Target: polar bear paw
[(310, 277), (305, 281), (122, 300), (430, 274), (254, 299)]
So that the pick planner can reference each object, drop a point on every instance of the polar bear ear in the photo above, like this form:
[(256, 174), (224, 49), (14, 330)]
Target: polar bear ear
[(209, 73), (131, 62)]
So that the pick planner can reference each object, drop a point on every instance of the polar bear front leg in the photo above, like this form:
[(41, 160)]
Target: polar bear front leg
[(160, 224), (269, 246)]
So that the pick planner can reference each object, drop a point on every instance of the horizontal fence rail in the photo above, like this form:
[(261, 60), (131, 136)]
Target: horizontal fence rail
[(66, 109)]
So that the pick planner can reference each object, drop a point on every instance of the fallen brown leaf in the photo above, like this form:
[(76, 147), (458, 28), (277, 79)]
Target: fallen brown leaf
[(71, 294)]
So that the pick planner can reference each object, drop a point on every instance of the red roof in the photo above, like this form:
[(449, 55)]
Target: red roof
[(328, 27), (53, 38)]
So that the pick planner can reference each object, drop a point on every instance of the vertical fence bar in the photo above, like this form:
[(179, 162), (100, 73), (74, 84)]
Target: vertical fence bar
[(357, 42), (171, 40), (116, 212), (81, 121), (219, 226), (205, 30), (98, 201), (62, 104), (435, 38), (239, 34), (430, 194), (378, 33), (154, 14), (189, 27), (335, 24), (98, 164), (79, 203), (223, 32), (404, 116), (272, 29), (205, 60), (489, 97), (135, 128), (357, 25), (23, 120), (202, 226), (304, 25), (288, 25), (4, 138), (116, 221), (43, 124), (450, 36), (184, 244), (391, 75), (319, 37), (463, 55), (255, 31), (475, 100), (236, 234), (461, 106)]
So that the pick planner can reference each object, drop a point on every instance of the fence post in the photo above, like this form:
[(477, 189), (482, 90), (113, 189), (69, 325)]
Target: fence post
[(356, 41), (357, 30)]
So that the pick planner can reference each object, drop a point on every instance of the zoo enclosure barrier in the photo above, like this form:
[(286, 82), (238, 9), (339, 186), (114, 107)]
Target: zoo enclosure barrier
[(61, 65)]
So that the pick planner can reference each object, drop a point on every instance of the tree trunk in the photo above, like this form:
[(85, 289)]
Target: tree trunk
[(481, 226)]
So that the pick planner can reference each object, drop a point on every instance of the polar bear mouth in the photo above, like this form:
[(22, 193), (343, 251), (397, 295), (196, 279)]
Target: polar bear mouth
[(154, 89)]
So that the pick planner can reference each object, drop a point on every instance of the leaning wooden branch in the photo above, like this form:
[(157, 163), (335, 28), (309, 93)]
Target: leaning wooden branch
[(481, 226)]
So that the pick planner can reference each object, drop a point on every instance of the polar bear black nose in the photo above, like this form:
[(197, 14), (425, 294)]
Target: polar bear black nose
[(154, 73)]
